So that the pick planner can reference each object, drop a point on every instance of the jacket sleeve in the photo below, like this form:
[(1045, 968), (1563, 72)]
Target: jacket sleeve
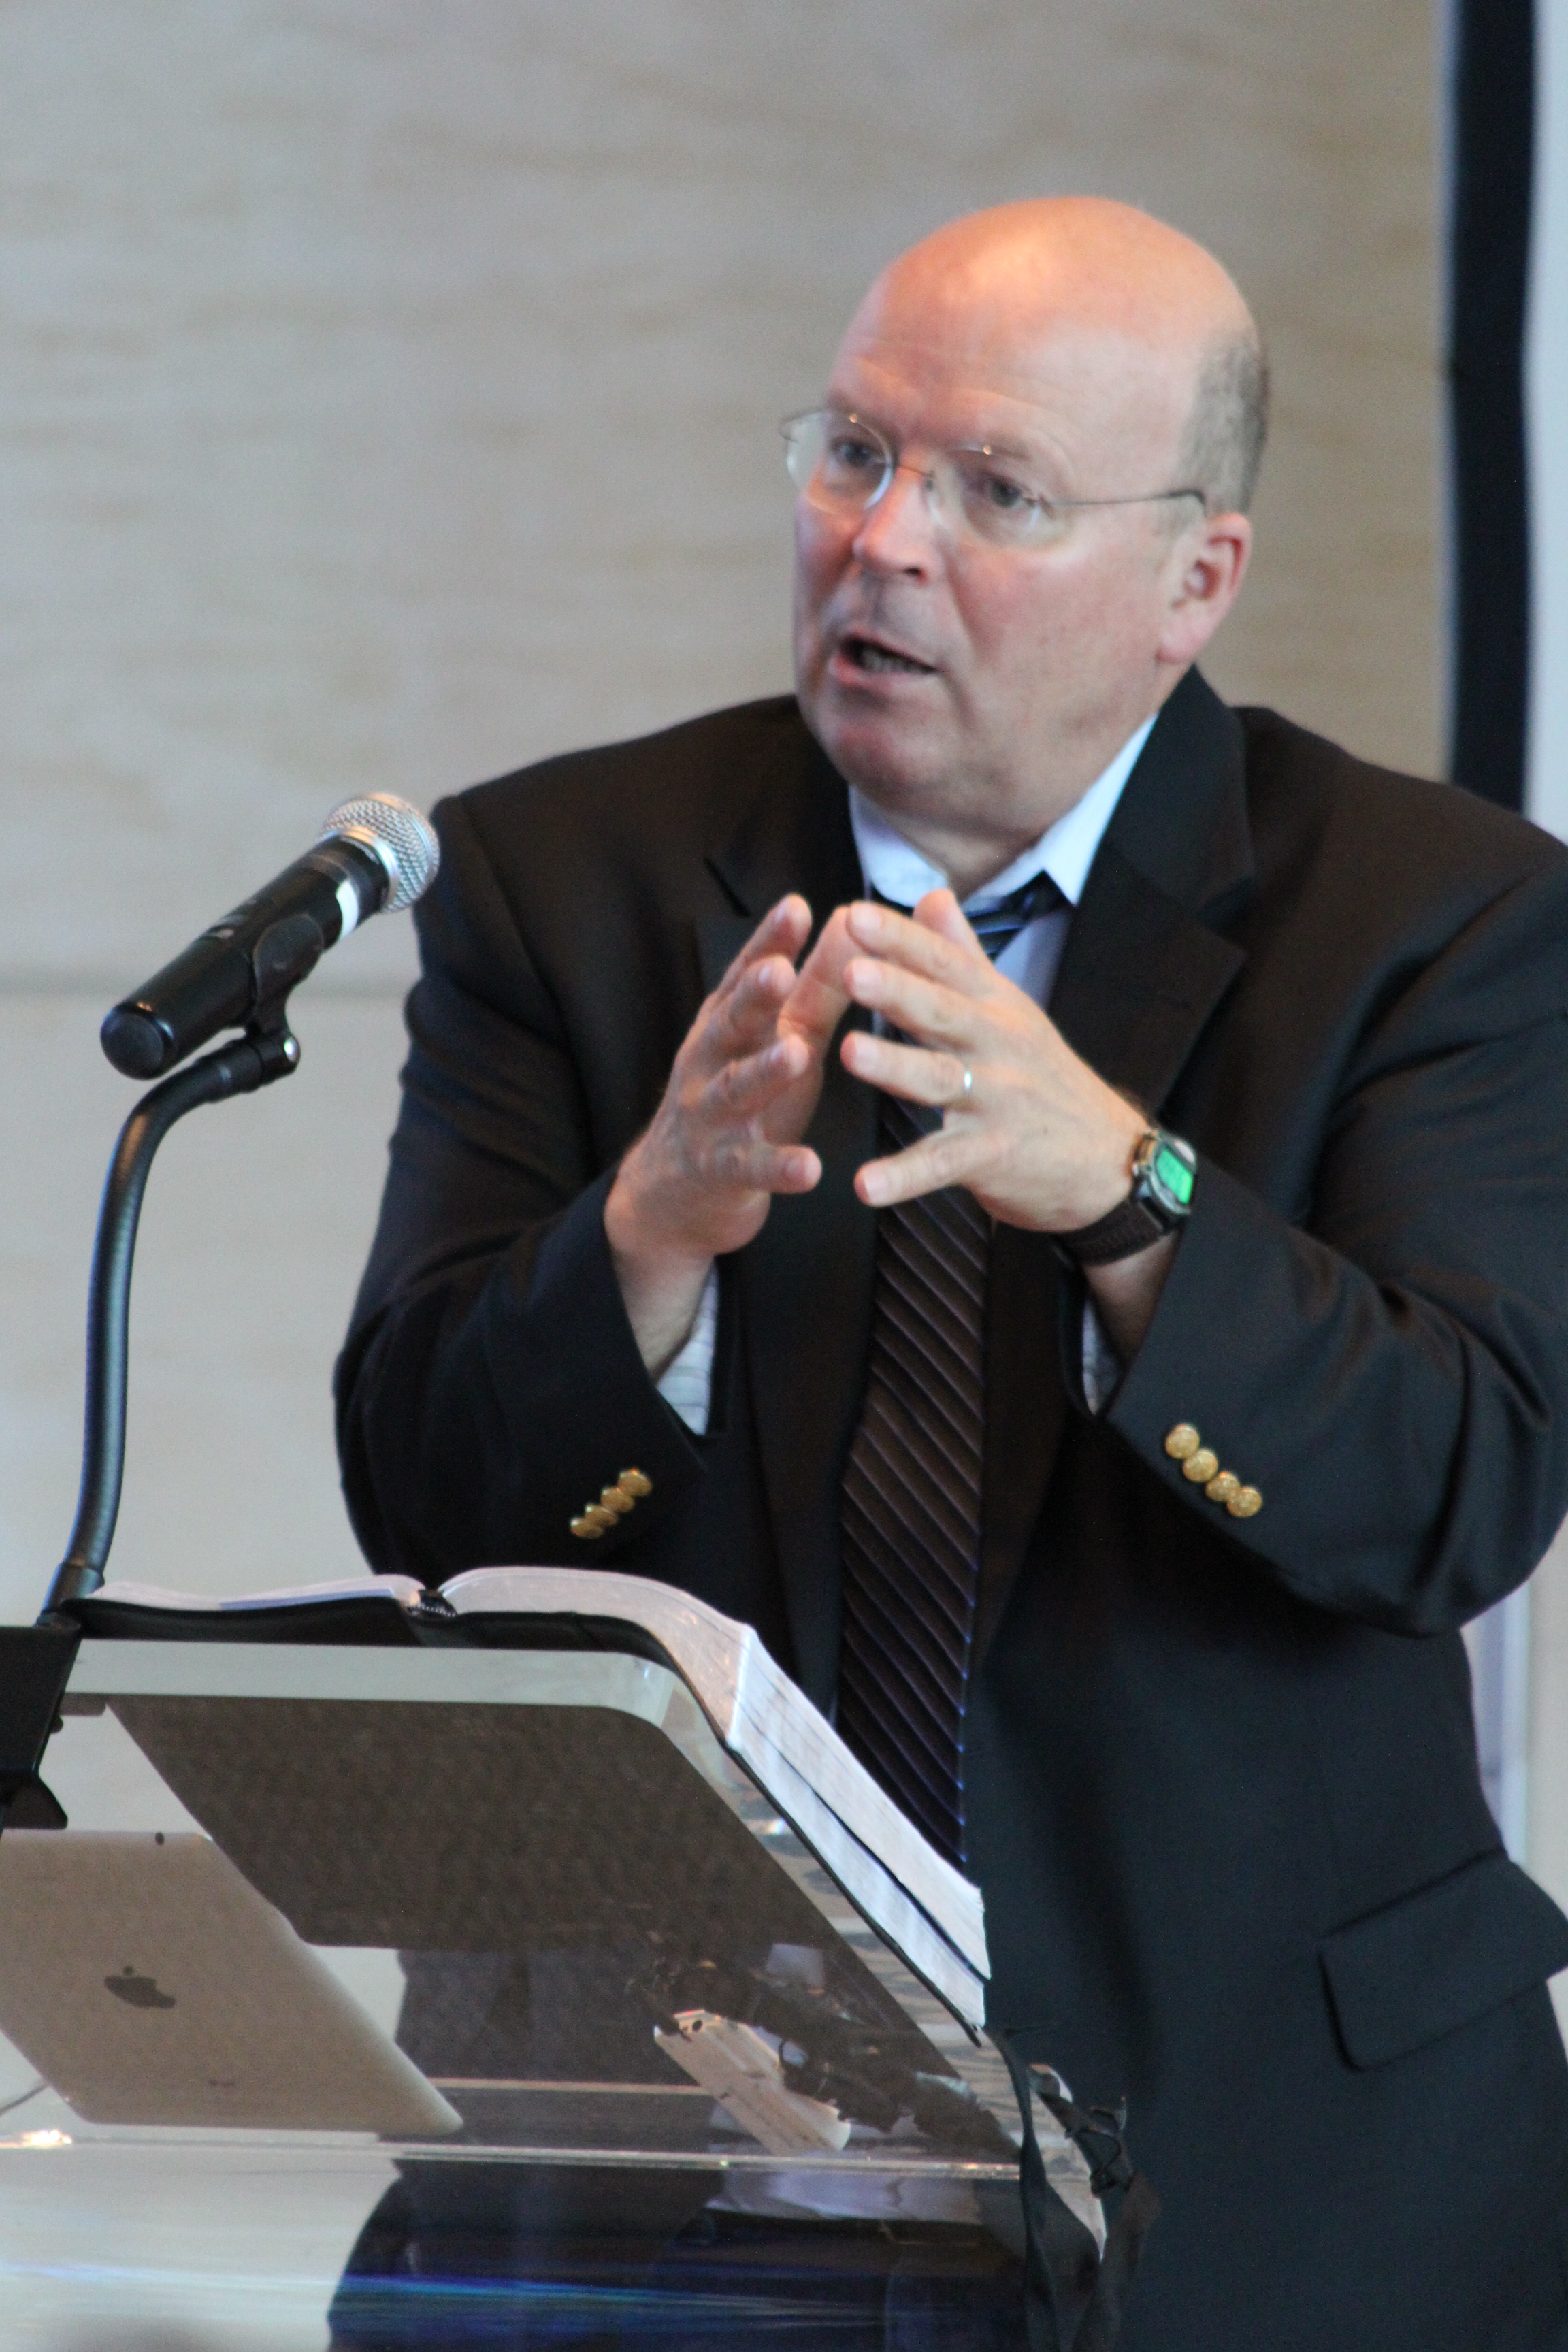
[(1390, 1373), (491, 1385)]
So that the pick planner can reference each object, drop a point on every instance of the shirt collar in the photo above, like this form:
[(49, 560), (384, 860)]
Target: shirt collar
[(895, 868)]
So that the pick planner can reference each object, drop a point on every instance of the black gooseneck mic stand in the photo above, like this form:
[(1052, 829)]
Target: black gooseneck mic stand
[(36, 1660), (375, 854), (267, 1051)]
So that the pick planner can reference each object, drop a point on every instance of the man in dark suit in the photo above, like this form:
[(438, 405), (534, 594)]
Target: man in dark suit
[(1128, 1507)]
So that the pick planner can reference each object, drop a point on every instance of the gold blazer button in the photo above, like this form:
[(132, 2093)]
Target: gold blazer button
[(1221, 1489), (587, 1529), (1183, 1442), (1200, 1467), (614, 1499), (1245, 1505), (635, 1483)]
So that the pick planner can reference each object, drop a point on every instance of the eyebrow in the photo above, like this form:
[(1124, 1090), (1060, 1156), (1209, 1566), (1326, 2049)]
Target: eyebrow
[(866, 415), (1003, 450)]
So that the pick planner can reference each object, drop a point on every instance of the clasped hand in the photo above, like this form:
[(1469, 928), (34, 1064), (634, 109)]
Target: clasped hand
[(1028, 1127), (1037, 1136)]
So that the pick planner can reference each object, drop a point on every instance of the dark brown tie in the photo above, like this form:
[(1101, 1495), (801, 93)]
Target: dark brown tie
[(911, 1498)]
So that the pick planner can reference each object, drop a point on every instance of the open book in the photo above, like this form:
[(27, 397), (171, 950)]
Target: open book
[(928, 1910)]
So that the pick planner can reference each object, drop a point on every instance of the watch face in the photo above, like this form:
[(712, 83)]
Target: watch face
[(1170, 1174)]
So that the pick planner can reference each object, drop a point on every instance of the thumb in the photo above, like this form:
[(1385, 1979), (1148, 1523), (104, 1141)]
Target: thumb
[(819, 1000), (940, 911)]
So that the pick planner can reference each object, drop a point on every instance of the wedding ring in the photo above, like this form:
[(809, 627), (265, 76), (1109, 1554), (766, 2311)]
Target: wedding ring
[(968, 1079)]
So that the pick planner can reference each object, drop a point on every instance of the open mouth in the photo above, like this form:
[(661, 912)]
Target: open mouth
[(865, 653)]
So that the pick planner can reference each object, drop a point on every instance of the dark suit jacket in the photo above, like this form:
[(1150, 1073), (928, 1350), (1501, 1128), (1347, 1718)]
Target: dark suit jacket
[(1224, 1801)]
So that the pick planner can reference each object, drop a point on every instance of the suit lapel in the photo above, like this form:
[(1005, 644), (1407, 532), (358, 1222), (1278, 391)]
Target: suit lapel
[(804, 1283), (1143, 970), (1145, 962), (1140, 978)]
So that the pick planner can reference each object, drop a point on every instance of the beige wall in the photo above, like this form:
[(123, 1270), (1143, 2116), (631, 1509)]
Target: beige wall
[(388, 395)]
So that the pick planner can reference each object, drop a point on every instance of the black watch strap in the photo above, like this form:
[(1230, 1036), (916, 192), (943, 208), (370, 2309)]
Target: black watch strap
[(1164, 1169), (1131, 1226)]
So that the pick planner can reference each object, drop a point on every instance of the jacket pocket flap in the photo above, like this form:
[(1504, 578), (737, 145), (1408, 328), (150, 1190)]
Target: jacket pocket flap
[(1437, 1958)]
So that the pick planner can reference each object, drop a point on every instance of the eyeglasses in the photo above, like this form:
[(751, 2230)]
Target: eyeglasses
[(844, 466)]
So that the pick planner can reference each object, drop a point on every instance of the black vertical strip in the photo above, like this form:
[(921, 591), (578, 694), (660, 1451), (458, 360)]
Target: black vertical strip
[(1493, 120)]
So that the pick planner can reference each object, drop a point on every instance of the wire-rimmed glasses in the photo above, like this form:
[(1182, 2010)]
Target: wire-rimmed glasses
[(844, 466)]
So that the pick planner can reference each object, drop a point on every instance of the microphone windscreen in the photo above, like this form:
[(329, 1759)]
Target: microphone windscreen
[(397, 834)]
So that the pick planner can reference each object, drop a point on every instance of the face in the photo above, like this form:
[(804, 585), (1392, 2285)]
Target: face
[(972, 689)]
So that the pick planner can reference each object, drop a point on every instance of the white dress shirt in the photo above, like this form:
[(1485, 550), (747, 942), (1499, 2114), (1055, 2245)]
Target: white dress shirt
[(895, 869)]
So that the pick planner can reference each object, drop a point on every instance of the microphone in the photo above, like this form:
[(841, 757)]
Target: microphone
[(371, 857)]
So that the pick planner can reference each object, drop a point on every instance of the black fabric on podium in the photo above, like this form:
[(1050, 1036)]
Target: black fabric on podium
[(609, 2260)]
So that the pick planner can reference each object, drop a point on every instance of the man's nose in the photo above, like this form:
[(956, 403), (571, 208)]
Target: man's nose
[(899, 533)]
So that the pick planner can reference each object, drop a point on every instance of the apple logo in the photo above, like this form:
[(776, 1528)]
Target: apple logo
[(137, 1992)]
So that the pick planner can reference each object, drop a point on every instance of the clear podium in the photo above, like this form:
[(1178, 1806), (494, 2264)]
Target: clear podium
[(385, 1997)]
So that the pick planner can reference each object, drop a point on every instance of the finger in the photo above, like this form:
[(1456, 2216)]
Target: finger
[(743, 1089), (910, 1072), (749, 1164), (744, 1018), (937, 1015), (958, 961), (948, 1157), (819, 1000), (940, 911)]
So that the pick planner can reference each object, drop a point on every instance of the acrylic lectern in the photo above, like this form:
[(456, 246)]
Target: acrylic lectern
[(376, 1996)]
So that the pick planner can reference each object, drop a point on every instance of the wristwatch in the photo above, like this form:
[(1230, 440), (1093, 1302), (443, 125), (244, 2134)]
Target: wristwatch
[(1164, 1171)]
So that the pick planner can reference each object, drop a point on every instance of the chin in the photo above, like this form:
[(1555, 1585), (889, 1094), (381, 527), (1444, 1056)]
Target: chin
[(889, 761)]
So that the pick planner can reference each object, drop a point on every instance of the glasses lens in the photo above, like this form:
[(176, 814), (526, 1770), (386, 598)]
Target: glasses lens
[(996, 506), (837, 460)]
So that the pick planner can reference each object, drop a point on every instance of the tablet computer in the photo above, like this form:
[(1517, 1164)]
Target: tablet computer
[(149, 1983)]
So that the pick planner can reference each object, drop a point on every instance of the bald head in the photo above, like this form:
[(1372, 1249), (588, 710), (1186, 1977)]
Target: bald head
[(1169, 321), (1065, 403)]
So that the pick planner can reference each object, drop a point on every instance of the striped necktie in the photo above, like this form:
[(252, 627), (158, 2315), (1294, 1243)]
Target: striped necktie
[(912, 1497)]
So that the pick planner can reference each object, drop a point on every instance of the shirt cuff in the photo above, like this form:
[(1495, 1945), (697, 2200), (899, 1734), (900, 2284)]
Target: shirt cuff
[(1102, 1367), (687, 1386)]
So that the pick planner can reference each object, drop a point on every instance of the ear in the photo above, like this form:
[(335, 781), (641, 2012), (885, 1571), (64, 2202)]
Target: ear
[(1207, 567)]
